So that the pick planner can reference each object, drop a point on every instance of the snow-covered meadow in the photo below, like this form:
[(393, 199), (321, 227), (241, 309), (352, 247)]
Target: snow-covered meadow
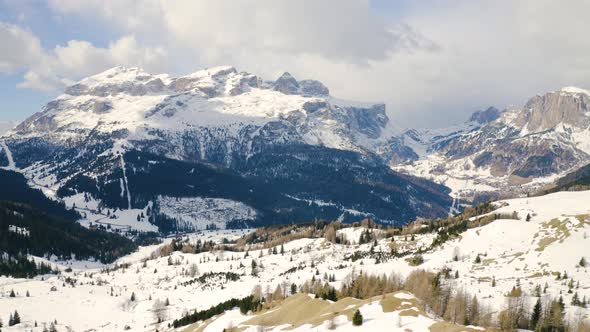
[(512, 252)]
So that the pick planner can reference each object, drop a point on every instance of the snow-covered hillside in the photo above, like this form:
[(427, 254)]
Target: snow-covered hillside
[(200, 213), (541, 251)]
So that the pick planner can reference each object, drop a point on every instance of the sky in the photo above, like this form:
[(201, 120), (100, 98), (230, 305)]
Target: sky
[(432, 62)]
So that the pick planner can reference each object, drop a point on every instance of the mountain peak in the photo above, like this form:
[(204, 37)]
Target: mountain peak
[(485, 116), (286, 76), (287, 84), (216, 71), (118, 73), (566, 106), (120, 79)]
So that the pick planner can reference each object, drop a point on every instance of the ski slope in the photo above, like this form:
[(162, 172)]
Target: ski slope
[(11, 165)]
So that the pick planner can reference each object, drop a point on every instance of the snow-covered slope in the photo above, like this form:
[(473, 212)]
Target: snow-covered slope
[(513, 252), (215, 102), (509, 152), (397, 312)]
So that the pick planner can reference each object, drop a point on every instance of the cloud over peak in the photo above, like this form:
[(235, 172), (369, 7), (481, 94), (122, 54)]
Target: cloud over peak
[(432, 62)]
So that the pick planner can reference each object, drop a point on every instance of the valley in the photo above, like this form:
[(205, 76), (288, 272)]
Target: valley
[(306, 166), (219, 201)]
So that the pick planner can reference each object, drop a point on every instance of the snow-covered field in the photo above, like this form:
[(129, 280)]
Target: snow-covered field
[(121, 220), (199, 212), (512, 252)]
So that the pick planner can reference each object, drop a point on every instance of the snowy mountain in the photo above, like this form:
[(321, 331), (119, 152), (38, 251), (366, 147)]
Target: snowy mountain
[(508, 257), (290, 137), (513, 151), (120, 142), (219, 103)]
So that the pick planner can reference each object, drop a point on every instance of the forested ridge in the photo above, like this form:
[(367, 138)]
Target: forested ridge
[(30, 223)]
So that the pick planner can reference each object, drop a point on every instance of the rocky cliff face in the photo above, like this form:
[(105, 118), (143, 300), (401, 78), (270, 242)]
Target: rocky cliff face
[(568, 106), (485, 116), (512, 151)]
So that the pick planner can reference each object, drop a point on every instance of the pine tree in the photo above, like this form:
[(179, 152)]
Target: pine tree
[(477, 259), (14, 319), (536, 315), (12, 294), (357, 318), (133, 297), (494, 281), (582, 262), (576, 299)]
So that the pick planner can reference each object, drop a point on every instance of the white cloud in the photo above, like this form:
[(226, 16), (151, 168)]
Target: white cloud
[(432, 65), (20, 47), (51, 70), (335, 29), (492, 53)]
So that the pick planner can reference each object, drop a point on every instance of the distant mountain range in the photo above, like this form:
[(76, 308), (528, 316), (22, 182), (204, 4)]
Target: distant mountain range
[(128, 140)]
